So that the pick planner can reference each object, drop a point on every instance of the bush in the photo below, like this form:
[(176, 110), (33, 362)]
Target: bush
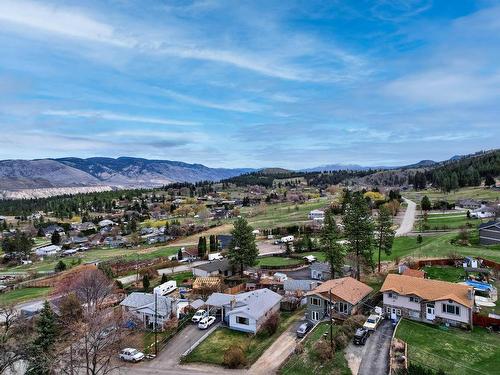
[(299, 348), (323, 350), (234, 357), (270, 326), (354, 322), (341, 340), (60, 266)]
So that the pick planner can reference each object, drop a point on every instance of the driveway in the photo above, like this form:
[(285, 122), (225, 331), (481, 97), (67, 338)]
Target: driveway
[(408, 220), (270, 361), (373, 357), (168, 359)]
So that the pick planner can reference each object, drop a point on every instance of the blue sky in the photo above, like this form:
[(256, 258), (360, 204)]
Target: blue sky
[(250, 83)]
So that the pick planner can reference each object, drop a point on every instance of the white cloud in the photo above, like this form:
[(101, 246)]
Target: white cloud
[(105, 115)]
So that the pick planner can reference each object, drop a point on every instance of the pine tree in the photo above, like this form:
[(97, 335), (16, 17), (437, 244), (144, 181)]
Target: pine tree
[(60, 266), (425, 204), (145, 282), (243, 251), (489, 181), (329, 244), (179, 254), (384, 235), (56, 238), (358, 228), (41, 349)]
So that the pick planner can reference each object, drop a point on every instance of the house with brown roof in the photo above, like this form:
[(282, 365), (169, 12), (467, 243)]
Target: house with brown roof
[(413, 273), (342, 297), (426, 300)]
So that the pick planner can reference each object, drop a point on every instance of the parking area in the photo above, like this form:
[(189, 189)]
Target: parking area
[(373, 357)]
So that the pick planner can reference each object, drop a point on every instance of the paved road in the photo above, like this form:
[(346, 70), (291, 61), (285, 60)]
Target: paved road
[(408, 220), (375, 353), (270, 361)]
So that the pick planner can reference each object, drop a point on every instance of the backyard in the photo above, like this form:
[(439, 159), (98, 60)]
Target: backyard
[(454, 350), (307, 362), (444, 273), (212, 349)]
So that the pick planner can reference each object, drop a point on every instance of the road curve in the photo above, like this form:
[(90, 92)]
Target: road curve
[(408, 220)]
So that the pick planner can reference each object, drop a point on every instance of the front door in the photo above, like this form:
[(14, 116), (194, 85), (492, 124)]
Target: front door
[(394, 315), (430, 312)]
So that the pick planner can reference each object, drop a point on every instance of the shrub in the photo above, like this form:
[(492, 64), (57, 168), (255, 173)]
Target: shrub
[(323, 350), (270, 326), (354, 322), (234, 357), (341, 340), (60, 266), (299, 348)]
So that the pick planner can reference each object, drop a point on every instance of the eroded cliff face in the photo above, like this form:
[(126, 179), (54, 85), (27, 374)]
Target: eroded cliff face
[(49, 192)]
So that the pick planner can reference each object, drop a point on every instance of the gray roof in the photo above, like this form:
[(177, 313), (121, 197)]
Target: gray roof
[(320, 266), (196, 304), (254, 304), (489, 224), (215, 265), (295, 285), (146, 302)]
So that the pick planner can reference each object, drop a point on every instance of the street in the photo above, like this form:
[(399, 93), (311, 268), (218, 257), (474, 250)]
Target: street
[(408, 220)]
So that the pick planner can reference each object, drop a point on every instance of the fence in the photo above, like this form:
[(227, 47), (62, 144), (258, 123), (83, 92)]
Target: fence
[(485, 321), (236, 289)]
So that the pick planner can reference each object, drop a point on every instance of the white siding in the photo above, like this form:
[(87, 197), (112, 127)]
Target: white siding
[(251, 327), (464, 316), (401, 301)]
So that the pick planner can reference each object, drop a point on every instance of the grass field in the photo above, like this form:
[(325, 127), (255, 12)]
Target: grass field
[(438, 246), (477, 193), (278, 261), (308, 363), (455, 351), (212, 349), (448, 221), (23, 295), (451, 274)]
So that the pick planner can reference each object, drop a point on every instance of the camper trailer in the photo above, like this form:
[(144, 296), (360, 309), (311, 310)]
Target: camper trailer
[(287, 239), (165, 288)]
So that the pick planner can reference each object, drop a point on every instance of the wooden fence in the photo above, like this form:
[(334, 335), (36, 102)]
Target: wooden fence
[(236, 289), (485, 321)]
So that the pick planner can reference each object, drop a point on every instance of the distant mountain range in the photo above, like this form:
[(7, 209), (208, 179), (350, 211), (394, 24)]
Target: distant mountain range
[(123, 172)]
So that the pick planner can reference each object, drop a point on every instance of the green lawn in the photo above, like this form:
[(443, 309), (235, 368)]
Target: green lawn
[(477, 193), (320, 256), (451, 221), (451, 274), (278, 261), (438, 246), (23, 295), (455, 351), (307, 362), (212, 349)]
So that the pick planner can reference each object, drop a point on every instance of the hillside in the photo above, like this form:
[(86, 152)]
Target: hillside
[(123, 172)]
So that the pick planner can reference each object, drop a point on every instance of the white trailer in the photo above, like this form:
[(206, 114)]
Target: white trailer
[(165, 288), (215, 256), (287, 239)]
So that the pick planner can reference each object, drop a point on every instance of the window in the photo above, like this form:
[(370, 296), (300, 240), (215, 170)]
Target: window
[(315, 315), (398, 312), (388, 310), (414, 299), (315, 301), (451, 309), (242, 320), (393, 295), (342, 307)]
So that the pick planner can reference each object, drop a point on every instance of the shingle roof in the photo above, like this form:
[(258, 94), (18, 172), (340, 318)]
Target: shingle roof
[(215, 265), (345, 288), (146, 302), (431, 290), (414, 273), (256, 303), (303, 285), (320, 266)]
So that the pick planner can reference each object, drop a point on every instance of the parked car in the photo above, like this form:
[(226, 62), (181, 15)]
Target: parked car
[(372, 322), (303, 329), (131, 355), (361, 336), (199, 315), (206, 322)]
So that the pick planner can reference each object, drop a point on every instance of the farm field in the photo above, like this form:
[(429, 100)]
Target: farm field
[(455, 351), (477, 193), (308, 363), (23, 295)]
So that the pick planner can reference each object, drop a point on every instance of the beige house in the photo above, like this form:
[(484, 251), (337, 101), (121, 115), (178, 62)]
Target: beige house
[(426, 300)]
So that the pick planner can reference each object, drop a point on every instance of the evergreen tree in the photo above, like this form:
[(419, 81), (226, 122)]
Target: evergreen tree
[(213, 243), (41, 350), (358, 228), (384, 235), (179, 254), (56, 238), (489, 181), (425, 204), (243, 251), (145, 282), (333, 250), (164, 278), (60, 266)]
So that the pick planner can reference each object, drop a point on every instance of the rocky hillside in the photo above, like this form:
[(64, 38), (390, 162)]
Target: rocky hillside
[(123, 172)]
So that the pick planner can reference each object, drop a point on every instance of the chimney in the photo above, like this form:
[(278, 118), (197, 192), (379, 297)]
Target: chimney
[(233, 302), (470, 294)]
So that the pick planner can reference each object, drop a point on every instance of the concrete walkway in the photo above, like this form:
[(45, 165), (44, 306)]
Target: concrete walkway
[(408, 220)]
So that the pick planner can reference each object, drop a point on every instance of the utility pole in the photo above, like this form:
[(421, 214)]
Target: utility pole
[(137, 268), (156, 324), (331, 319)]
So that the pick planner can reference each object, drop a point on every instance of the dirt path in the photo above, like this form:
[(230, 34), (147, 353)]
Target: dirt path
[(408, 220)]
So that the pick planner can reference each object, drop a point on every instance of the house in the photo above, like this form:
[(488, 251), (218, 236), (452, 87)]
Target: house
[(344, 296), (106, 223), (320, 271), (48, 250), (246, 311), (427, 300), (49, 231), (299, 286), (489, 233), (141, 307), (483, 212), (214, 268), (316, 215), (468, 204)]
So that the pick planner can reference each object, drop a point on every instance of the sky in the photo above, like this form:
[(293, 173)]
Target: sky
[(293, 84)]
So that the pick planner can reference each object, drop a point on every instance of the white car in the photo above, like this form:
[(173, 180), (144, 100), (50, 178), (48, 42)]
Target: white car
[(206, 322), (199, 315), (131, 355), (372, 322)]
